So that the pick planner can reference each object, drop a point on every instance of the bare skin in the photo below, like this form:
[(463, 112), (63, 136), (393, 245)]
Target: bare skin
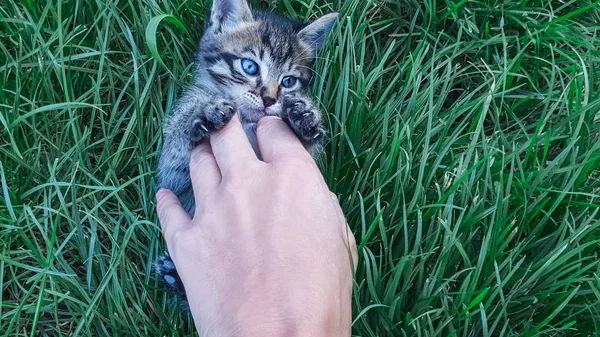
[(268, 251)]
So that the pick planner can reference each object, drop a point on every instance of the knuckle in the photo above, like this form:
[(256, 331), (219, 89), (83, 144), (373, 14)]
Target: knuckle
[(352, 241), (299, 173), (234, 182), (181, 238), (301, 167), (355, 258), (352, 247), (170, 233), (231, 183), (301, 161), (199, 158), (240, 174), (216, 141)]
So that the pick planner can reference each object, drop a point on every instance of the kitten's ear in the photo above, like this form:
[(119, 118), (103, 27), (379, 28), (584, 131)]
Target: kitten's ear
[(314, 33), (226, 14)]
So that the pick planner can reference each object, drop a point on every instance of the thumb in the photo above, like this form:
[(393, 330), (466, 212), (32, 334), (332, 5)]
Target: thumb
[(170, 213)]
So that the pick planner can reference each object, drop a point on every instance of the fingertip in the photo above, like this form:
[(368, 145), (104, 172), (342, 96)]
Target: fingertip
[(334, 197), (276, 138), (273, 126), (162, 192)]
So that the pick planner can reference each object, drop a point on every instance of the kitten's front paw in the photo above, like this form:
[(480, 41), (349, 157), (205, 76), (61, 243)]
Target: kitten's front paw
[(304, 119), (210, 117)]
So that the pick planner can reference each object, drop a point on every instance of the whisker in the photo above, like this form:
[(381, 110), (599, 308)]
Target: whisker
[(314, 58), (313, 71), (310, 69)]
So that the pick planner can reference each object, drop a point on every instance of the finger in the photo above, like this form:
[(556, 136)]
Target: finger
[(277, 140), (352, 247), (348, 234), (336, 205), (231, 147), (204, 172), (170, 213)]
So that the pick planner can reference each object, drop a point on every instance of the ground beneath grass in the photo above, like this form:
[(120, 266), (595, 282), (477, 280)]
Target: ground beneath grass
[(464, 148)]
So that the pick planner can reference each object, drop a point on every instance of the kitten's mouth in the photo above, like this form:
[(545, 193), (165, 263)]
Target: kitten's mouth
[(273, 110), (261, 111), (251, 109)]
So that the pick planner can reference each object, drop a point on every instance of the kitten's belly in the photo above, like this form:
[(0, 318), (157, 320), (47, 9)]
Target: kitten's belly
[(250, 129)]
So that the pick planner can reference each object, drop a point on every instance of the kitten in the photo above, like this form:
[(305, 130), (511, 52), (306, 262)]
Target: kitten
[(252, 63)]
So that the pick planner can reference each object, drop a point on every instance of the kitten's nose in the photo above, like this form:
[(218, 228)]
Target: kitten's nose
[(268, 94), (268, 101)]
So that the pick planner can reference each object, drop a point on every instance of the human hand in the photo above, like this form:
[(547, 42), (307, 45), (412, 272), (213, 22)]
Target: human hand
[(268, 251)]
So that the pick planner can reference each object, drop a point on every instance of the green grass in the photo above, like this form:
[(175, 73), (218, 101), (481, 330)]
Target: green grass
[(465, 150)]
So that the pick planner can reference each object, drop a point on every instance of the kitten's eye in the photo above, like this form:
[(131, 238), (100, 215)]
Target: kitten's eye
[(250, 67), (288, 81)]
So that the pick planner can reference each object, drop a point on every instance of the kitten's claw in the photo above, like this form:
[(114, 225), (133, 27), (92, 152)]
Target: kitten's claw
[(199, 124), (304, 119), (209, 118), (230, 110)]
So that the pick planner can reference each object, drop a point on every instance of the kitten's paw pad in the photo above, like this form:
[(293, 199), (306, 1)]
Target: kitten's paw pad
[(167, 274), (305, 120), (211, 117)]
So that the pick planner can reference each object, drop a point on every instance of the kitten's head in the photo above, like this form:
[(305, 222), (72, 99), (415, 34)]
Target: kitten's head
[(257, 58)]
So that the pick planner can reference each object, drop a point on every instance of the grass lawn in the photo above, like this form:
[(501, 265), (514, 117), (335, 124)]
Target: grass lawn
[(464, 147)]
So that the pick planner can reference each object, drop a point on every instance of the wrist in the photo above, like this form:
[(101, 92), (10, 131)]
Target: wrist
[(259, 324), (290, 328)]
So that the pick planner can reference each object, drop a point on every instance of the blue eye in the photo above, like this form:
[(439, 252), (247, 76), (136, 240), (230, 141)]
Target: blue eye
[(250, 67), (288, 81)]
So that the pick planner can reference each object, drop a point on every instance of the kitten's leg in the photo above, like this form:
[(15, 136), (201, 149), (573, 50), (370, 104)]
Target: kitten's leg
[(167, 274), (305, 119), (195, 118)]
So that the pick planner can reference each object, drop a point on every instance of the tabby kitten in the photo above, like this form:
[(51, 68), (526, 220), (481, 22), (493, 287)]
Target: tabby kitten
[(252, 63)]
